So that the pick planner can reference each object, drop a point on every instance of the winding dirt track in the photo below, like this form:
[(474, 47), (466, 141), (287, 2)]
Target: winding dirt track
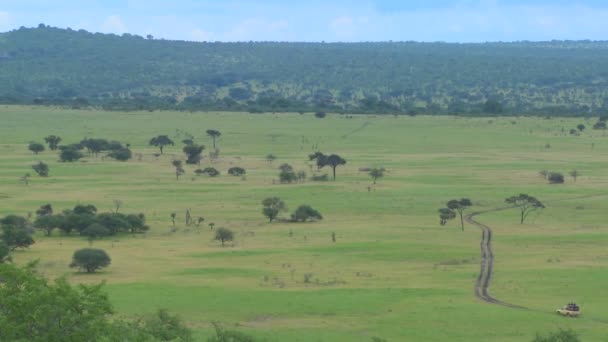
[(487, 262)]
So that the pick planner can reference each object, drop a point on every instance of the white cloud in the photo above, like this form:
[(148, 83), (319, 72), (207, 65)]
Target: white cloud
[(114, 24)]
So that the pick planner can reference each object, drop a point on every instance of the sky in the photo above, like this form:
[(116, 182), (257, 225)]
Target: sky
[(320, 20)]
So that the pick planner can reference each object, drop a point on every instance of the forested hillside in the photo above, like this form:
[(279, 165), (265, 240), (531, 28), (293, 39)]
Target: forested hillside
[(53, 66)]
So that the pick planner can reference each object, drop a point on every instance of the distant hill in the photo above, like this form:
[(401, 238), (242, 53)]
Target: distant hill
[(54, 66)]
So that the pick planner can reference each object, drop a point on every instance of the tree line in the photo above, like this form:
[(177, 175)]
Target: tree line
[(65, 67)]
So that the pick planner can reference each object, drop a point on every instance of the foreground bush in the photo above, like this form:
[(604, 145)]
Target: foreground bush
[(66, 313)]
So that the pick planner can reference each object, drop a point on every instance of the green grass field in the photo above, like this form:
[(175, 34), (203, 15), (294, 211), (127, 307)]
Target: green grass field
[(393, 273)]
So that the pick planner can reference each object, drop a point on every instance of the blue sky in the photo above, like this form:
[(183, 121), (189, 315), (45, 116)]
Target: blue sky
[(317, 20)]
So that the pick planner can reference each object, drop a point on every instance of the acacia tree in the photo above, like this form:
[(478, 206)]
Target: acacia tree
[(53, 141), (580, 127), (460, 206), (446, 214), (526, 205), (306, 213), (179, 170), (193, 153), (214, 134), (224, 234), (161, 141), (236, 171), (332, 160), (90, 259), (376, 173), (272, 206), (42, 169), (35, 147)]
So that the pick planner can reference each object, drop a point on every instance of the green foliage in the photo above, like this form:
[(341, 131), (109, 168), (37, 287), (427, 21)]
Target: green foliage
[(35, 147), (121, 154), (210, 171), (4, 252), (547, 78), (320, 115), (526, 204), (164, 326), (376, 173), (96, 231), (53, 141), (42, 169), (214, 134), (161, 141), (305, 213), (224, 234), (580, 127), (332, 160), (236, 171), (193, 153), (33, 310), (446, 214), (223, 335), (48, 223), (559, 336), (272, 206), (555, 178), (460, 205), (70, 155), (16, 232), (90, 259)]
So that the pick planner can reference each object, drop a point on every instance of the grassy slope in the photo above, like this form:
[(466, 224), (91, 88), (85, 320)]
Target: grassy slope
[(394, 272)]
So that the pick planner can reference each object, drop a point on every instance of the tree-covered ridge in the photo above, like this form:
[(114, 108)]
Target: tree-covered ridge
[(48, 65)]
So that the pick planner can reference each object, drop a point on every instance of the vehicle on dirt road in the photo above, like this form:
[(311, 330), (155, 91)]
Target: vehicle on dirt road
[(570, 310)]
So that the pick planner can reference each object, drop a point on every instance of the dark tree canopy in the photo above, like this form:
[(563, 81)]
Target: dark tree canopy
[(210, 171), (121, 154), (236, 171), (90, 259), (272, 206), (306, 213), (224, 235), (460, 205), (526, 204), (530, 78), (555, 178), (193, 153), (70, 155), (161, 141), (332, 160), (446, 214), (42, 169), (16, 232), (376, 173), (35, 147), (53, 141), (214, 134)]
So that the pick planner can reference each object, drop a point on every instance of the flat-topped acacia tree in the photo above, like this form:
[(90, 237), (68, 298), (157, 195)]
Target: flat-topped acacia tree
[(526, 205), (214, 134), (332, 160), (460, 206), (161, 141)]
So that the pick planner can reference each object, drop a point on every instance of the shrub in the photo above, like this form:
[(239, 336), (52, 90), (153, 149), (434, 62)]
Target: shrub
[(559, 336), (42, 169), (211, 171), (121, 154), (236, 171), (288, 177), (320, 115), (306, 213), (70, 155), (95, 231), (555, 178), (90, 259)]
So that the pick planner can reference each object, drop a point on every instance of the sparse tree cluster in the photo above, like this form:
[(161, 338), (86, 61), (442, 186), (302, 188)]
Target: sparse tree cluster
[(273, 206), (332, 160)]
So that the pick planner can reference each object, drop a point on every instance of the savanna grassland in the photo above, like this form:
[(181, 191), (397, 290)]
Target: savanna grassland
[(393, 272)]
